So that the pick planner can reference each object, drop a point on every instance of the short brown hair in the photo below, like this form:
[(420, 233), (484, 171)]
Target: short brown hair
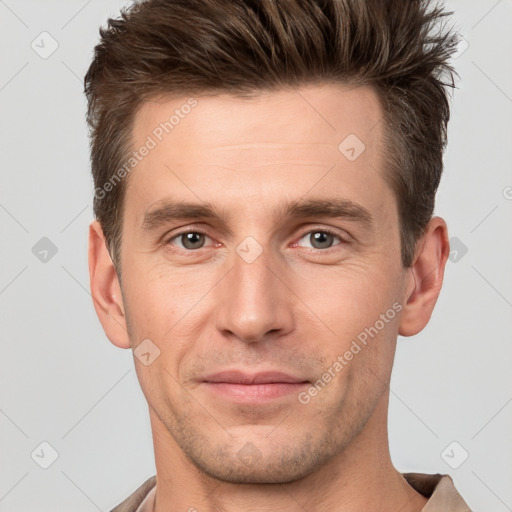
[(184, 47)]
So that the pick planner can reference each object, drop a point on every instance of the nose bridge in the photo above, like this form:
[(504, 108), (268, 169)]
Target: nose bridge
[(253, 301)]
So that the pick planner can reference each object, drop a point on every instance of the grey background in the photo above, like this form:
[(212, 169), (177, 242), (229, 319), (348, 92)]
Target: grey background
[(61, 381)]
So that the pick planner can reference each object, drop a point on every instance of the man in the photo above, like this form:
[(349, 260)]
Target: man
[(265, 177)]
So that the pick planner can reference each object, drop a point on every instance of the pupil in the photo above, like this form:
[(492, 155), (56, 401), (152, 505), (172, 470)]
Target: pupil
[(321, 237), (189, 240)]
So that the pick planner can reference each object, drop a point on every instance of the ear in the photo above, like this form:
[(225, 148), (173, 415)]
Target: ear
[(105, 289), (425, 278)]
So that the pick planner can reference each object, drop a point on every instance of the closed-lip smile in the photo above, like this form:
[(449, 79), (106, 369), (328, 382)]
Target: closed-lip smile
[(253, 387)]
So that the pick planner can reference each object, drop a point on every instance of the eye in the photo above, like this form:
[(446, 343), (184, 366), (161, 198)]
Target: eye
[(321, 239), (190, 240)]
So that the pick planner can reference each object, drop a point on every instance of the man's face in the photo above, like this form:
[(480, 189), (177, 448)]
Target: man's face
[(258, 289)]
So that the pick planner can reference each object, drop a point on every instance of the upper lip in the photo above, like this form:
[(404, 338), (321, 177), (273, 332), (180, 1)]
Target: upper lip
[(240, 377)]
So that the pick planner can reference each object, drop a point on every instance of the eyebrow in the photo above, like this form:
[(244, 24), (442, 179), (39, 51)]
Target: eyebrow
[(168, 211)]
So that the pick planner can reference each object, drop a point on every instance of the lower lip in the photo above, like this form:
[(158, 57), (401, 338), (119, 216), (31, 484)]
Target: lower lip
[(255, 392)]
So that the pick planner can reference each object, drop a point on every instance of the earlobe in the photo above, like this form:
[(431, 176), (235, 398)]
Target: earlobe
[(425, 278), (105, 289)]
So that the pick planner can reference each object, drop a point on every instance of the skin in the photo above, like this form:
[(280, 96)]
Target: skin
[(295, 308)]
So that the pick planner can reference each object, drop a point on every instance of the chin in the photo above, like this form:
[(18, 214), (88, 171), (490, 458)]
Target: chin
[(265, 465)]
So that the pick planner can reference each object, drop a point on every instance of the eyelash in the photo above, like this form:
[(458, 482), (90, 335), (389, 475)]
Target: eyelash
[(310, 231)]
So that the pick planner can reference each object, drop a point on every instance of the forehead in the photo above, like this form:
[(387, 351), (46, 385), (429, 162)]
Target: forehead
[(298, 122), (210, 148)]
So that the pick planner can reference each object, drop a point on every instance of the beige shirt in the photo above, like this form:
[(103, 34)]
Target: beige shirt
[(443, 497)]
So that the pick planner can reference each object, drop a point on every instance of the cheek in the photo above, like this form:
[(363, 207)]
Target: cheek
[(161, 297), (348, 300), (168, 308)]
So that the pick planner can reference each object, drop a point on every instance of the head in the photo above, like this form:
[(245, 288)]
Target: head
[(275, 121)]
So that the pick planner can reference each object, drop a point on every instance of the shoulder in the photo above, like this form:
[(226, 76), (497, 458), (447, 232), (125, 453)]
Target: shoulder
[(133, 501), (441, 491)]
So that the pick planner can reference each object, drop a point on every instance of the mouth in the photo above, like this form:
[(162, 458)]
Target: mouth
[(253, 387)]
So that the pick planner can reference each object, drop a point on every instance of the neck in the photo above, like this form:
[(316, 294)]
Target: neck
[(362, 477)]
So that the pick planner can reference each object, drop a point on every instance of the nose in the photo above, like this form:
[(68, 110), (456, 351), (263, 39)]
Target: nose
[(254, 302)]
